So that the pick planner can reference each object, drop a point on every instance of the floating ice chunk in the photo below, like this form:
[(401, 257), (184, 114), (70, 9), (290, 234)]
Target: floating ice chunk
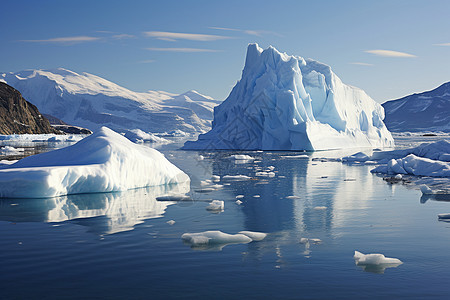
[(295, 156), (102, 162), (265, 174), (270, 168), (235, 177), (238, 202), (256, 196), (173, 198), (303, 240), (200, 157), (215, 178), (374, 259), (357, 157), (255, 236), (241, 157), (292, 197), (444, 216), (320, 208), (215, 237), (216, 205), (9, 150), (239, 196), (170, 222), (398, 177), (205, 182), (139, 136), (426, 190)]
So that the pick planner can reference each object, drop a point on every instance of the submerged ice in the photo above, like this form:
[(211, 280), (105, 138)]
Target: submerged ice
[(286, 102), (102, 162)]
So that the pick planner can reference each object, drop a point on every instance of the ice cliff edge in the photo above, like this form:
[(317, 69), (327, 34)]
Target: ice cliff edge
[(285, 102)]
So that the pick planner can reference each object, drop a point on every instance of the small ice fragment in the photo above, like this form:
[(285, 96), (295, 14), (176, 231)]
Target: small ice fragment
[(320, 207), (215, 178), (241, 157), (315, 241), (374, 259), (398, 177), (292, 197), (239, 196), (205, 182), (238, 202), (255, 236), (216, 205), (170, 222), (444, 216), (200, 157), (215, 237), (265, 174), (426, 190), (270, 168), (235, 177), (303, 240), (256, 196), (296, 156)]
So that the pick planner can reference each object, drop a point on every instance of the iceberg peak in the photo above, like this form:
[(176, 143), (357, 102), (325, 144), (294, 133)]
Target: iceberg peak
[(285, 102)]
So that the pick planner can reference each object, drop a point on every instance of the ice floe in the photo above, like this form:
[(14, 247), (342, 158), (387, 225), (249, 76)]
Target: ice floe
[(102, 162), (216, 205)]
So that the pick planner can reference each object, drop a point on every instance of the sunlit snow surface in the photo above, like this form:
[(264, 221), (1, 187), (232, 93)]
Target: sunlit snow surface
[(102, 162), (286, 102)]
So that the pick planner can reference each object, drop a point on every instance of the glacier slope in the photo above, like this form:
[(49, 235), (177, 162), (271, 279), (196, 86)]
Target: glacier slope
[(286, 102), (90, 101)]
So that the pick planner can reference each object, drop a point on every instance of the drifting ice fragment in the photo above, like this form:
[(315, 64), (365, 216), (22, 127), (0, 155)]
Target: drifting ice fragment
[(238, 202), (170, 222), (255, 236), (215, 237), (235, 177), (374, 259), (425, 190), (216, 205)]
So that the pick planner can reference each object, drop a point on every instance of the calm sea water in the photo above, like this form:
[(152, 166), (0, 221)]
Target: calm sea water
[(119, 246)]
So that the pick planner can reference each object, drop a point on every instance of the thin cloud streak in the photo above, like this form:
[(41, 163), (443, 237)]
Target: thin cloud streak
[(389, 53), (444, 44), (172, 36), (148, 61), (183, 50), (123, 36), (248, 31), (66, 40), (361, 64)]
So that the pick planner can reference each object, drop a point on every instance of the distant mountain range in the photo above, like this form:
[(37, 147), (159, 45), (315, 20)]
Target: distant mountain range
[(427, 111), (90, 101)]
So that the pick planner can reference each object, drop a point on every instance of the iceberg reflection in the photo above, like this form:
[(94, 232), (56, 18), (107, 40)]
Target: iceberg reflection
[(116, 212)]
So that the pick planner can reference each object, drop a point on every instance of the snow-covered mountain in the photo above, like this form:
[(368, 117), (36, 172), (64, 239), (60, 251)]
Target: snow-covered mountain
[(427, 111), (286, 102), (90, 101)]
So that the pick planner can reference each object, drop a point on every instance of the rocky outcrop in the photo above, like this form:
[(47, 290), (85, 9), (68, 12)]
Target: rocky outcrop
[(18, 116)]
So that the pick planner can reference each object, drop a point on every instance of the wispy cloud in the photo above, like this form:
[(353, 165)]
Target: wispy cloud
[(185, 50), (389, 53), (123, 36), (444, 44), (361, 64), (173, 36), (66, 40), (248, 31)]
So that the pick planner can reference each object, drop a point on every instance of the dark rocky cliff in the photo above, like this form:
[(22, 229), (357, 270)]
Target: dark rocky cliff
[(20, 116)]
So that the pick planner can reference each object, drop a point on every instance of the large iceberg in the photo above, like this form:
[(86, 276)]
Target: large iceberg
[(102, 162), (286, 102)]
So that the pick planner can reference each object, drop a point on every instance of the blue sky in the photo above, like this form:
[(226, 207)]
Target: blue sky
[(388, 48)]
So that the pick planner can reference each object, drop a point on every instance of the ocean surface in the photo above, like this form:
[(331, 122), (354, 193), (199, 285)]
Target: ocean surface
[(120, 246)]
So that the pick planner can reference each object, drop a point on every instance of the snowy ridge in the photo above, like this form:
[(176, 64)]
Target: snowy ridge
[(285, 102), (432, 108), (102, 162), (90, 101)]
